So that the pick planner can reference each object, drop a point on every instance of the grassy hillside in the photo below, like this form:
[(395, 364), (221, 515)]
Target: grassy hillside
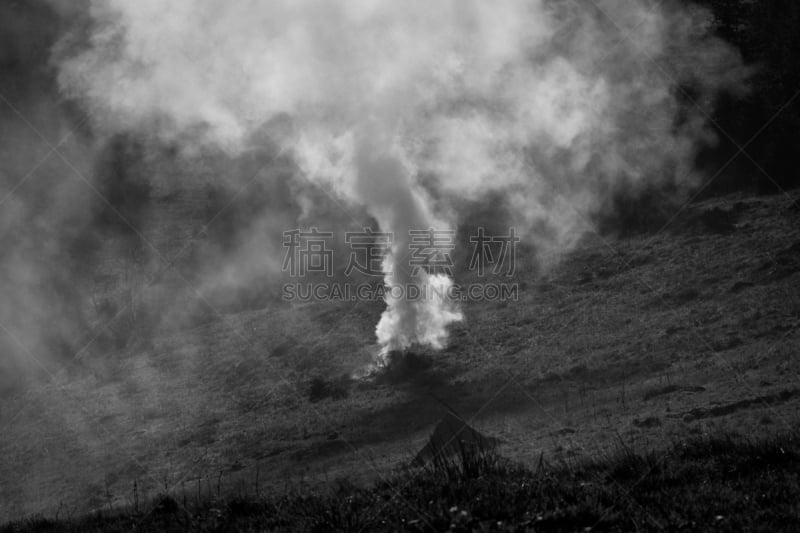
[(640, 340), (719, 484)]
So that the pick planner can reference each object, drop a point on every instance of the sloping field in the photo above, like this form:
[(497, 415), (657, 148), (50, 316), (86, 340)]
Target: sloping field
[(643, 339)]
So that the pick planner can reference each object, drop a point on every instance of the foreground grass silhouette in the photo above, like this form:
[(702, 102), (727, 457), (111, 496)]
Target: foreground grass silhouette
[(721, 483)]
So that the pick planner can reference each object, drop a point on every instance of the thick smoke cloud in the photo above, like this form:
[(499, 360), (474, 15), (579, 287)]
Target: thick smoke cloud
[(409, 109)]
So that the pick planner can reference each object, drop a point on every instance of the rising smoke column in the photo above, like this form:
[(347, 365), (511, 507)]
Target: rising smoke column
[(552, 104), (399, 205)]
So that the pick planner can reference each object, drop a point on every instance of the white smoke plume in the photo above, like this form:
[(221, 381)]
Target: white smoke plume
[(406, 108)]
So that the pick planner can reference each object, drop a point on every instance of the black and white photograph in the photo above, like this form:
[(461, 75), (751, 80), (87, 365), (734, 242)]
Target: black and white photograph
[(399, 265)]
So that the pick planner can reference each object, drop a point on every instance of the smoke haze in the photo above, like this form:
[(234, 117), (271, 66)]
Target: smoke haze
[(401, 114), (406, 109)]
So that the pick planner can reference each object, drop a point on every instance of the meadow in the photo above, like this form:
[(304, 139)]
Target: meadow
[(641, 339)]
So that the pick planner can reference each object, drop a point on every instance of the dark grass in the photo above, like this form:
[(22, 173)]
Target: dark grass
[(713, 484)]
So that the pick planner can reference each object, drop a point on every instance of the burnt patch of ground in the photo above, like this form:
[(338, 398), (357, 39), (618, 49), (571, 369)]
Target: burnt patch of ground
[(766, 400), (321, 388), (715, 219), (671, 389), (780, 264), (404, 366)]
